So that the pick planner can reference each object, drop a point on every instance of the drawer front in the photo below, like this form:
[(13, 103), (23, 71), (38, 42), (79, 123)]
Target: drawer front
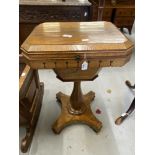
[(39, 14), (124, 21), (92, 63), (125, 12)]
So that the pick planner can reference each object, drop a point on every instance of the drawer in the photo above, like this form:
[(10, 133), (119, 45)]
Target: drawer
[(92, 63), (125, 12), (124, 21)]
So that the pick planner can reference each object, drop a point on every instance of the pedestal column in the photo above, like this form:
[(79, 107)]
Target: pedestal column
[(77, 105), (76, 109)]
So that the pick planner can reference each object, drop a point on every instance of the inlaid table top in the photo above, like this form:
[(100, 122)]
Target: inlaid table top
[(69, 40)]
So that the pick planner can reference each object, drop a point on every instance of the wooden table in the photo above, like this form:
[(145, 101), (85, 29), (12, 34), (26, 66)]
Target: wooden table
[(76, 51)]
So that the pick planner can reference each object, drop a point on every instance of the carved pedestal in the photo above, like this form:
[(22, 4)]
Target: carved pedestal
[(76, 109)]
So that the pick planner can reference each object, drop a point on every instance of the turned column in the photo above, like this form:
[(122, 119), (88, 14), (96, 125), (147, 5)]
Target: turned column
[(77, 105)]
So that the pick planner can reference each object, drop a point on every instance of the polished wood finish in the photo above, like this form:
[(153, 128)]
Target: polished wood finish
[(76, 108), (71, 74), (30, 99), (101, 43), (64, 47)]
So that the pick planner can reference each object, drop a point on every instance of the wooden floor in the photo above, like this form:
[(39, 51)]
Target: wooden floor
[(112, 98)]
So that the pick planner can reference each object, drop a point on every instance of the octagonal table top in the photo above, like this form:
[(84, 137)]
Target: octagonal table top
[(53, 43), (75, 36)]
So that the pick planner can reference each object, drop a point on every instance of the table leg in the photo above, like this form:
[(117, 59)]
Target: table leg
[(76, 109)]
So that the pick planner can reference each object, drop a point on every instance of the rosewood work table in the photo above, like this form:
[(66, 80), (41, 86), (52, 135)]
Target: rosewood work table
[(76, 51)]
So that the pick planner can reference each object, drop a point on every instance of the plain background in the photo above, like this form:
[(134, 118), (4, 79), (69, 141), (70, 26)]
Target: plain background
[(145, 77)]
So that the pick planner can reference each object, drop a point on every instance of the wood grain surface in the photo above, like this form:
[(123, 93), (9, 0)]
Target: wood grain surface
[(64, 47), (53, 45)]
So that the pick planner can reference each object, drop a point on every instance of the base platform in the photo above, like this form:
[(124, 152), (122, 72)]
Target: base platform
[(68, 116)]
